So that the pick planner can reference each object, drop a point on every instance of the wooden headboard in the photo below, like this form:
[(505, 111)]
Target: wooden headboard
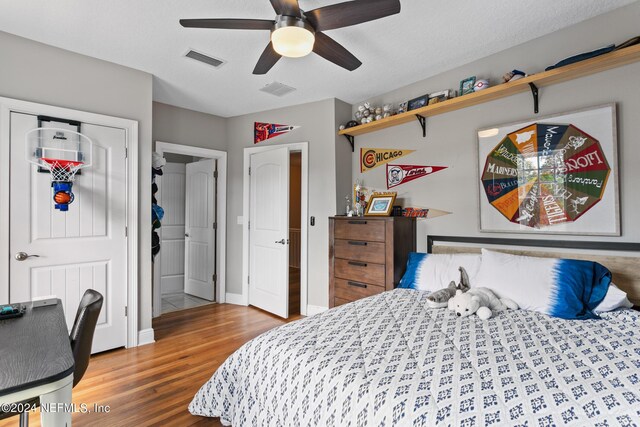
[(622, 259)]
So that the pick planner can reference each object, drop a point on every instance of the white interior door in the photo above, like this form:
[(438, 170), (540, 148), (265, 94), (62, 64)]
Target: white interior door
[(199, 254), (83, 248), (268, 231), (172, 199)]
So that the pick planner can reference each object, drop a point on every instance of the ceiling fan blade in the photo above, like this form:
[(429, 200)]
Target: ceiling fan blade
[(267, 60), (351, 13), (229, 24), (286, 7), (333, 51)]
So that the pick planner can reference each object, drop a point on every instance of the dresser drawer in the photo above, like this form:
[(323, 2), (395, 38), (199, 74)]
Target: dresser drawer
[(360, 271), (360, 229), (360, 251), (351, 290)]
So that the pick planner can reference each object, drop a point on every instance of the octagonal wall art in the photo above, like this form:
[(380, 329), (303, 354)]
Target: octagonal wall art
[(551, 175)]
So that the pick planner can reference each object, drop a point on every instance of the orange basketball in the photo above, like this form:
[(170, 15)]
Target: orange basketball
[(62, 198)]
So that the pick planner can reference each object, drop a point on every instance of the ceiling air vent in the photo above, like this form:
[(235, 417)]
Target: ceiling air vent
[(277, 89), (209, 60)]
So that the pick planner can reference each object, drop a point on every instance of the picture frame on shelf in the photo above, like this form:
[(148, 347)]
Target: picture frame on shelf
[(419, 102), (443, 95), (380, 204), (466, 85)]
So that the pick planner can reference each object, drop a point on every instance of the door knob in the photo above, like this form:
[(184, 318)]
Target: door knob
[(21, 256), (282, 241), (186, 234)]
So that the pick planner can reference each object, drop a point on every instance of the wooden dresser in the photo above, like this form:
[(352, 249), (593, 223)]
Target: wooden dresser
[(367, 255)]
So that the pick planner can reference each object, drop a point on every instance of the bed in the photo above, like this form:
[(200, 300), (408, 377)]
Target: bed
[(388, 360)]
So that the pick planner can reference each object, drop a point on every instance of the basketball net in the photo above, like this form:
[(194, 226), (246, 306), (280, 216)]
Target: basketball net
[(61, 152), (62, 170)]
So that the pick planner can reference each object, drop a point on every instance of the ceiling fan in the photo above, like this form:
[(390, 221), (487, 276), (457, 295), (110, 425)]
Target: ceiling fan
[(296, 33)]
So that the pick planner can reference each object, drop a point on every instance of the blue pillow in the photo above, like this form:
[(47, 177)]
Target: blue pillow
[(565, 288), (580, 288), (430, 272), (409, 280)]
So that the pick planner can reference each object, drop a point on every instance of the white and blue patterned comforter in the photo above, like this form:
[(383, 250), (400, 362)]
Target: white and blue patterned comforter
[(388, 360)]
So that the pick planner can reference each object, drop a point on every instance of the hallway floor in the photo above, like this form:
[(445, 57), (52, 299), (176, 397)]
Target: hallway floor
[(180, 301)]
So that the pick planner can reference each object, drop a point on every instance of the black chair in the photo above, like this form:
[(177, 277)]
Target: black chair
[(81, 337)]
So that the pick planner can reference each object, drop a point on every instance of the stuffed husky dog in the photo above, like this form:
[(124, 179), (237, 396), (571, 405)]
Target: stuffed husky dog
[(481, 301), (441, 298)]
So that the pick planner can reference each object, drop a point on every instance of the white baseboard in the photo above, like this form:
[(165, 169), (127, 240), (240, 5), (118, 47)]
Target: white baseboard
[(237, 299), (146, 336), (312, 310), (171, 285)]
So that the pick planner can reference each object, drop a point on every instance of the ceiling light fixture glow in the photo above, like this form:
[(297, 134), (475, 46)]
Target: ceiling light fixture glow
[(292, 37)]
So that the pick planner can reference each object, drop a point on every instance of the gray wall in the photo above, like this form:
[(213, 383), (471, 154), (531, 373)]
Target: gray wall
[(36, 72), (317, 121), (344, 185), (188, 127), (451, 138)]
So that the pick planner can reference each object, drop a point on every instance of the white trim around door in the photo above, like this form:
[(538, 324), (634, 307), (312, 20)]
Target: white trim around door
[(221, 220), (302, 147), (8, 105)]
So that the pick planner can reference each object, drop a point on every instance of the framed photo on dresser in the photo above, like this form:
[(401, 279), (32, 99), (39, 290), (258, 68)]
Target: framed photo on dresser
[(380, 205)]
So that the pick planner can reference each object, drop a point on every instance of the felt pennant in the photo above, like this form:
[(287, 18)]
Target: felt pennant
[(424, 213), (399, 174), (371, 158), (264, 131)]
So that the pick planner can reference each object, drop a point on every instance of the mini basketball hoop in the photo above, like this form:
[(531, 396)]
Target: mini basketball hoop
[(62, 153)]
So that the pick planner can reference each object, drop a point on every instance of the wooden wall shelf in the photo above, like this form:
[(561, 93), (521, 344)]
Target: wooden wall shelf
[(600, 63)]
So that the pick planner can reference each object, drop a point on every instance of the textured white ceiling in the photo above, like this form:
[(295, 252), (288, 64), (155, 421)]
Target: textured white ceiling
[(426, 38)]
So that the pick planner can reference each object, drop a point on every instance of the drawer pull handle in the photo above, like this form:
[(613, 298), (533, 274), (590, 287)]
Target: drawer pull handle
[(357, 285), (357, 243), (359, 264), (358, 222)]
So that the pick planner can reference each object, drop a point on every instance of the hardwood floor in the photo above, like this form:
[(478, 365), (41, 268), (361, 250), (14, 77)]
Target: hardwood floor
[(294, 291), (152, 385)]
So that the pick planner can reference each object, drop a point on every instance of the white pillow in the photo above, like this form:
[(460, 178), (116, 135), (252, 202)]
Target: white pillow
[(614, 300), (570, 289), (431, 272)]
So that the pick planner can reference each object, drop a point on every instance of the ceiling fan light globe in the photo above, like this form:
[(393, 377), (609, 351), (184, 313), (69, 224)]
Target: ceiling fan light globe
[(292, 41)]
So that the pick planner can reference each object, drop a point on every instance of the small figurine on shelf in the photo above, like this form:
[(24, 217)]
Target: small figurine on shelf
[(348, 199), (513, 76)]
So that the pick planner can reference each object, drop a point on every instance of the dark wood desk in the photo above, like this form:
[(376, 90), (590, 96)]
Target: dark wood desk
[(36, 360)]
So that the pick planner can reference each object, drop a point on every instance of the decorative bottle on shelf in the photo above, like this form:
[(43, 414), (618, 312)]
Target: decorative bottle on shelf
[(359, 201)]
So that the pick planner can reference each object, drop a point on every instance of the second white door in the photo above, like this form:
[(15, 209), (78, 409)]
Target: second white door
[(269, 231), (200, 213)]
